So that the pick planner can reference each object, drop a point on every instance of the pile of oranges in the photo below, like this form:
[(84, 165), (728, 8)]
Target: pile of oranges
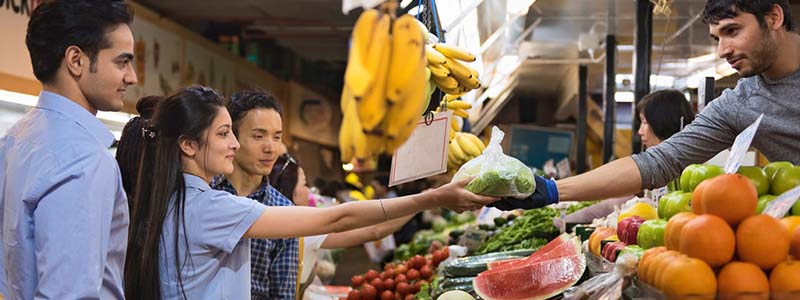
[(723, 250)]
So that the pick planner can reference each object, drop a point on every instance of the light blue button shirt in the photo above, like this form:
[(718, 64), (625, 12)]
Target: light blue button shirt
[(218, 266), (64, 214)]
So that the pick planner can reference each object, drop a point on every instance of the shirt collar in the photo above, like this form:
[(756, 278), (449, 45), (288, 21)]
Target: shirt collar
[(194, 181), (223, 182), (71, 110)]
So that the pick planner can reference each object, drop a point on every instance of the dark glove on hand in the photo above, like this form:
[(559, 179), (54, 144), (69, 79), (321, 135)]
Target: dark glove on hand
[(546, 193)]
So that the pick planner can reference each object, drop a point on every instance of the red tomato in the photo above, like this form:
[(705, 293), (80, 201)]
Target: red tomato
[(400, 278), (426, 272), (403, 288), (357, 281), (387, 295), (409, 297), (370, 275), (388, 284), (354, 295), (412, 275), (368, 292), (377, 283)]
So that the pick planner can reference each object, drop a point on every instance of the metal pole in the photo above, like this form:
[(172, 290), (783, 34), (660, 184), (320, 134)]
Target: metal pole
[(641, 63), (705, 93), (583, 111), (610, 102)]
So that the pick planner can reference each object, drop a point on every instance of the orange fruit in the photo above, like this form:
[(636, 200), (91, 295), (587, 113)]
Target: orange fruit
[(762, 240), (784, 279), (689, 276), (660, 261), (597, 236), (737, 278), (732, 197), (708, 238), (646, 260), (672, 233), (697, 204), (791, 223), (794, 249)]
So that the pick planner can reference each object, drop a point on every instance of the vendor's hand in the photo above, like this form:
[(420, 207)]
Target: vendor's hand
[(546, 193), (454, 197)]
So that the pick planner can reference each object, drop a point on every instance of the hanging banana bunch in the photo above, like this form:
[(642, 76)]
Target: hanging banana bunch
[(386, 84), (448, 69)]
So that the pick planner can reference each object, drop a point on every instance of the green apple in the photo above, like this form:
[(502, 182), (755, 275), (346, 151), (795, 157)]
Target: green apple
[(773, 167), (763, 201), (651, 233), (758, 177), (673, 203), (693, 175), (785, 179)]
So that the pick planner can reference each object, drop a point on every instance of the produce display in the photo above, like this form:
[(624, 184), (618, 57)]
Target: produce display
[(532, 230), (706, 240)]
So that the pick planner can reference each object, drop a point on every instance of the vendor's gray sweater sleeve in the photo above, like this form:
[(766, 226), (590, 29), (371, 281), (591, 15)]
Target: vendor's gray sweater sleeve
[(712, 131)]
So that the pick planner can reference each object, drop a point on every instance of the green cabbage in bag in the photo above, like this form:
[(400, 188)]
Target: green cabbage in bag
[(496, 174)]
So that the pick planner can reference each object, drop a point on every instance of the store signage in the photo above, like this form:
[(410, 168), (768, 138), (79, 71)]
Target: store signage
[(425, 152)]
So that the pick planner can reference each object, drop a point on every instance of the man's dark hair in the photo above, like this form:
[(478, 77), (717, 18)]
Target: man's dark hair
[(244, 101), (58, 24), (666, 111), (717, 10)]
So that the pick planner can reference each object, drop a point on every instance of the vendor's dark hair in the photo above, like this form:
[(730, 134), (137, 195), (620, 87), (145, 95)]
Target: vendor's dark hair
[(183, 115), (717, 10), (244, 101), (58, 24), (664, 110), (129, 148), (284, 175)]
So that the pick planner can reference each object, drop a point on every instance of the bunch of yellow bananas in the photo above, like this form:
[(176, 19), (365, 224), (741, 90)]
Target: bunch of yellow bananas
[(386, 85), (462, 148), (448, 71)]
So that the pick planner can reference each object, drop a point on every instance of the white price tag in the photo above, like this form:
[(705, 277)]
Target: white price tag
[(740, 146), (424, 153), (781, 205)]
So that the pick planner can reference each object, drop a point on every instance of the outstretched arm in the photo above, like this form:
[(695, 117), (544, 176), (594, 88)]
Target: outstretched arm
[(281, 222)]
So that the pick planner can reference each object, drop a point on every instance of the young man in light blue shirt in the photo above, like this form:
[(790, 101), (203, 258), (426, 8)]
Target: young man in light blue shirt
[(64, 212)]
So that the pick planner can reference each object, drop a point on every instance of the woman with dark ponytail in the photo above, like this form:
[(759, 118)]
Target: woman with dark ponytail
[(188, 241), (129, 148)]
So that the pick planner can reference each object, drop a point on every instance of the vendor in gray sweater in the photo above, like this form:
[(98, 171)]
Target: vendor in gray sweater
[(756, 38)]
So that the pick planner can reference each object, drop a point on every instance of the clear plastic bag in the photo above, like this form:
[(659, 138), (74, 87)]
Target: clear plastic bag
[(606, 286), (496, 174)]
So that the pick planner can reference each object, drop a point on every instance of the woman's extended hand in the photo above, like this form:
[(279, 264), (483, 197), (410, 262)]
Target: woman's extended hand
[(453, 196)]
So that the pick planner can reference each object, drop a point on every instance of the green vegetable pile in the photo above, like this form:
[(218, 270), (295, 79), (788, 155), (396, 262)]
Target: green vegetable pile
[(532, 230)]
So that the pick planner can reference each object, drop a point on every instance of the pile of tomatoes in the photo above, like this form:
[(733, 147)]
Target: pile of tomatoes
[(399, 281)]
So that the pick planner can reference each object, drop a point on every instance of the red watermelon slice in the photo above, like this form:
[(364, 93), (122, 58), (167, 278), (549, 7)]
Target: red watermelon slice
[(543, 253), (536, 277)]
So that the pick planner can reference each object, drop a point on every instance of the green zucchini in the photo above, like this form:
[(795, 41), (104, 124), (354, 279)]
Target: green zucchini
[(471, 266)]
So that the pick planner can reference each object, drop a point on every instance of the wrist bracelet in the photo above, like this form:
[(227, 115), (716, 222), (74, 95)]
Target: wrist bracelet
[(384, 210)]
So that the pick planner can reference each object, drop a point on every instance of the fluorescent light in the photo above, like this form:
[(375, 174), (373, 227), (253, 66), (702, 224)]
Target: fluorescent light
[(347, 167), (623, 96), (30, 101)]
